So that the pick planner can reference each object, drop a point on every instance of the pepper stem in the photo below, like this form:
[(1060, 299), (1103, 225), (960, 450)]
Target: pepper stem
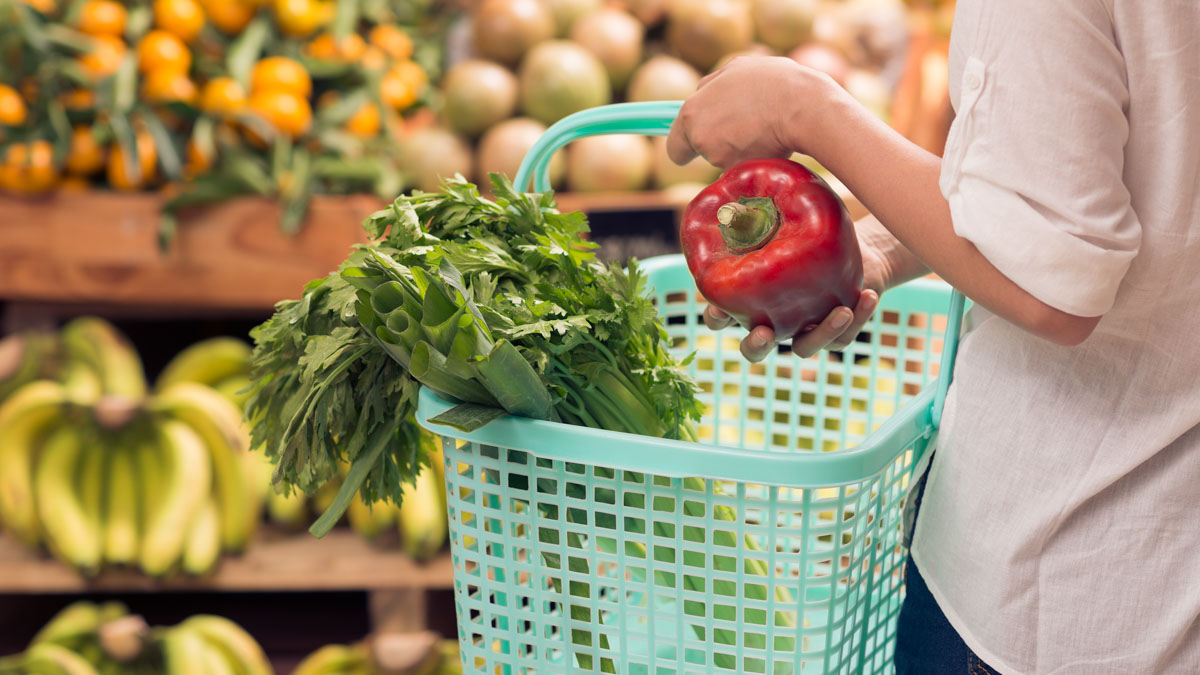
[(748, 223)]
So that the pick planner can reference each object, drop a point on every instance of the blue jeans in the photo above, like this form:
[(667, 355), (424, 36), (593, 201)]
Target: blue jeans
[(926, 643)]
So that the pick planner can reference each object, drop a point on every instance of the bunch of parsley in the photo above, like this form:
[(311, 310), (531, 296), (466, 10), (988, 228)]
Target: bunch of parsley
[(499, 303)]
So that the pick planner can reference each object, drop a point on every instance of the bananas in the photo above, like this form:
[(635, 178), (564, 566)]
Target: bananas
[(121, 526), (85, 639), (203, 544), (187, 480), (98, 344), (219, 424), (412, 654), (161, 480), (70, 526), (103, 471), (25, 419), (48, 658), (335, 660), (208, 362), (423, 525), (234, 644)]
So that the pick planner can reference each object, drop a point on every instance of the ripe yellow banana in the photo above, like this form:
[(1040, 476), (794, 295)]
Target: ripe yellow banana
[(90, 485), (75, 620), (334, 660), (239, 649), (121, 520), (202, 546), (186, 482), (99, 344), (48, 658), (289, 510), (25, 418), (370, 520), (236, 389), (258, 482), (207, 362), (81, 382), (184, 653), (219, 423), (150, 462), (423, 525), (71, 530)]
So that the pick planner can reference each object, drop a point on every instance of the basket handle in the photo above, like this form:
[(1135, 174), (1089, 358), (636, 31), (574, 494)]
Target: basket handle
[(949, 351), (654, 118), (648, 118)]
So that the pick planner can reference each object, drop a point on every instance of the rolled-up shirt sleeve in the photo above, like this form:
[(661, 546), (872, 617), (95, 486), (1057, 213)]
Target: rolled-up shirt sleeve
[(1033, 166)]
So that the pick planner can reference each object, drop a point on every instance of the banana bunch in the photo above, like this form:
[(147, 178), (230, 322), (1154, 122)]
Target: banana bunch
[(420, 521), (90, 639), (389, 654), (103, 471), (25, 357)]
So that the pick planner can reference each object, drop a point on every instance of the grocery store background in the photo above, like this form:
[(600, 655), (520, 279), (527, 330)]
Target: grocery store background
[(176, 167)]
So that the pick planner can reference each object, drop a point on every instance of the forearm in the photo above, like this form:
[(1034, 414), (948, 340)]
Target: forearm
[(898, 182), (900, 262)]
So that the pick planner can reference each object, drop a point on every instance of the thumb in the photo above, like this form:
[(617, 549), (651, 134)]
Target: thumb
[(679, 146)]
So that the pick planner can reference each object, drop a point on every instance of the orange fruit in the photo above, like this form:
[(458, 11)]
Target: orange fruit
[(86, 156), (44, 6), (183, 18), (29, 168), (286, 112), (393, 41), (298, 18), (74, 184), (325, 46), (401, 85), (197, 161), (78, 99), (365, 121), (229, 16), (12, 107), (102, 17), (166, 85), (104, 57), (147, 156), (223, 96), (279, 73), (160, 50), (374, 58)]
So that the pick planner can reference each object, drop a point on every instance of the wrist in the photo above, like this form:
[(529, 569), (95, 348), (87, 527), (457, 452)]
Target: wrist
[(815, 104)]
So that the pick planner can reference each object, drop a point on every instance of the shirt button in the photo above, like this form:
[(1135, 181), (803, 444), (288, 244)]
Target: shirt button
[(973, 81)]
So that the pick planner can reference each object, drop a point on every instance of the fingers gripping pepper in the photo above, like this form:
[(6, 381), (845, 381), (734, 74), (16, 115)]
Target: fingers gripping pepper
[(770, 244)]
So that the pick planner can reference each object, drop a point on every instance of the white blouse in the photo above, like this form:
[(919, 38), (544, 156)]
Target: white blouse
[(1060, 531)]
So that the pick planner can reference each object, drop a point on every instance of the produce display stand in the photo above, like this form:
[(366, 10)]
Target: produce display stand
[(94, 250), (274, 561)]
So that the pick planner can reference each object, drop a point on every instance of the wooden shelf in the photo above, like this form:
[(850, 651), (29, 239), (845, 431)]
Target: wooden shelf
[(275, 561), (99, 250)]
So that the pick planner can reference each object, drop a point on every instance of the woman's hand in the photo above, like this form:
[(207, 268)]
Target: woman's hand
[(753, 107), (884, 263)]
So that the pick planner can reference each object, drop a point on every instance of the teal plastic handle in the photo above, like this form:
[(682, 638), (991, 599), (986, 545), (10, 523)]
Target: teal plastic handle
[(654, 118), (949, 352), (649, 118)]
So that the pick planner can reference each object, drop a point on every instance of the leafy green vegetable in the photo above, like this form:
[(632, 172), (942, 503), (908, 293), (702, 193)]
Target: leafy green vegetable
[(497, 303)]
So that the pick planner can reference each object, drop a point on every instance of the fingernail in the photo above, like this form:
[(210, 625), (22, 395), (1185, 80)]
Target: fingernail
[(871, 301), (757, 341), (842, 319)]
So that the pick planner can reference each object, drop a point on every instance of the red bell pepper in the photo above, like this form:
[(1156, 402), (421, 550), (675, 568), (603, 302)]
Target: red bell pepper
[(770, 244)]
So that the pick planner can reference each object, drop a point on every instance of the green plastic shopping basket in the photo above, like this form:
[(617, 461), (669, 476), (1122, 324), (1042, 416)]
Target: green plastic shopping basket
[(774, 545)]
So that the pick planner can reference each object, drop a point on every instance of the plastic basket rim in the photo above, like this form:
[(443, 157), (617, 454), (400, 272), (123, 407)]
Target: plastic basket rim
[(685, 459)]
